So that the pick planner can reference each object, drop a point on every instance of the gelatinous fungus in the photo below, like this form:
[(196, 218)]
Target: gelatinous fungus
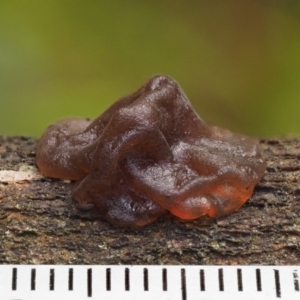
[(150, 153)]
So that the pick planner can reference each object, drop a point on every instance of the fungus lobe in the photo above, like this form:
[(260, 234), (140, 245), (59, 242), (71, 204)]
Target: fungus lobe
[(150, 153)]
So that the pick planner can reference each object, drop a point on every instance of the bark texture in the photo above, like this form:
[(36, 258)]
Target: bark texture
[(39, 223)]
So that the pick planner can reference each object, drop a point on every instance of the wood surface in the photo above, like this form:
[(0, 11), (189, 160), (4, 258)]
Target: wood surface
[(39, 223)]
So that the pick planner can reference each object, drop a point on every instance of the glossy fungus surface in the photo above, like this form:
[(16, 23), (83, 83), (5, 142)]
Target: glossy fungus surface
[(150, 153)]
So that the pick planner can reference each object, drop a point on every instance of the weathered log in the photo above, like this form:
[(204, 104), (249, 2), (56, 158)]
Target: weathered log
[(39, 223)]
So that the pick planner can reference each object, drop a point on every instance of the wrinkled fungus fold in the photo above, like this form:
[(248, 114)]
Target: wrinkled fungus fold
[(148, 154)]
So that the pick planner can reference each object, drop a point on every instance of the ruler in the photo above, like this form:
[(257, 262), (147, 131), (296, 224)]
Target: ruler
[(29, 282)]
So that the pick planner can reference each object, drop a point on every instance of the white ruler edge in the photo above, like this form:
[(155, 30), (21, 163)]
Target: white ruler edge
[(30, 282)]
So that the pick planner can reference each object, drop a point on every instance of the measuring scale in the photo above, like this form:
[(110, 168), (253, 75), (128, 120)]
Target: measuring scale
[(26, 282)]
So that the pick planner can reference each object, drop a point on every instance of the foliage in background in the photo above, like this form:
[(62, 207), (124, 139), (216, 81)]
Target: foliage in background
[(238, 61)]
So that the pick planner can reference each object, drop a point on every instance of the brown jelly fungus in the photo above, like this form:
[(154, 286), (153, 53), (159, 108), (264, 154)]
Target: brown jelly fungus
[(148, 154)]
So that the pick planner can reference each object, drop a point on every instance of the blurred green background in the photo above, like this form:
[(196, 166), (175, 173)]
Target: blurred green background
[(238, 61)]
